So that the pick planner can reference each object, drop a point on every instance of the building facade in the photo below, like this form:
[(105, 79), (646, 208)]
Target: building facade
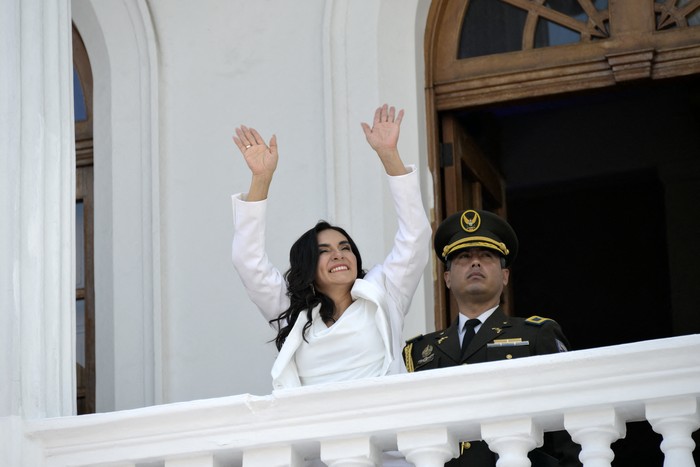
[(170, 82)]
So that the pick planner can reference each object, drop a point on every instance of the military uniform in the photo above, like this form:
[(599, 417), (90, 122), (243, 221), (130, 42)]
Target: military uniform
[(500, 337)]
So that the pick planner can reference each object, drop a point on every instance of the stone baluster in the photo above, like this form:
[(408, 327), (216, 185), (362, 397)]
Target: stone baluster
[(595, 431), (273, 456), (512, 440), (428, 447), (353, 452), (675, 420)]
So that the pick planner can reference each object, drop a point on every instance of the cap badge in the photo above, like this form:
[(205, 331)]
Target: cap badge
[(427, 351), (470, 221)]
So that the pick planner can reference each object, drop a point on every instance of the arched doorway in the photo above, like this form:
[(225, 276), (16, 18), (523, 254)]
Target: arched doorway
[(120, 42), (576, 120), (492, 64)]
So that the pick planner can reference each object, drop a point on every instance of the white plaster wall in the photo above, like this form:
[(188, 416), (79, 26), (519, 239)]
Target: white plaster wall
[(308, 71), (224, 64)]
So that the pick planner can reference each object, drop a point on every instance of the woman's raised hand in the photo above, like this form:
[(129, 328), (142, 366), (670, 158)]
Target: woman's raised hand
[(260, 157), (384, 134)]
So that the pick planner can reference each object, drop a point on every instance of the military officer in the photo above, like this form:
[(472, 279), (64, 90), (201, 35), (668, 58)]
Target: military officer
[(478, 248)]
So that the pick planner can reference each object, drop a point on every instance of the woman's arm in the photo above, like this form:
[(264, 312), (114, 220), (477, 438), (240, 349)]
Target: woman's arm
[(263, 282), (404, 265)]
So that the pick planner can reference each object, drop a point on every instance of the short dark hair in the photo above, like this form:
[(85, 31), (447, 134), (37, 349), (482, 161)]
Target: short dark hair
[(303, 260)]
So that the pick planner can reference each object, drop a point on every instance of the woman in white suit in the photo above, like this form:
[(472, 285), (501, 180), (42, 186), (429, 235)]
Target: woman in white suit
[(334, 321)]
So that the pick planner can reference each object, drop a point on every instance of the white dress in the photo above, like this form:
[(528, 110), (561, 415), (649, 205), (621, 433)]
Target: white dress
[(386, 289), (350, 349)]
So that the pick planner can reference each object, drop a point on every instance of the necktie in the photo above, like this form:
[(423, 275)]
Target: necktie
[(469, 332)]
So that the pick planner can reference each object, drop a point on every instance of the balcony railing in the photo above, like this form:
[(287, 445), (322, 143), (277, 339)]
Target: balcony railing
[(509, 404)]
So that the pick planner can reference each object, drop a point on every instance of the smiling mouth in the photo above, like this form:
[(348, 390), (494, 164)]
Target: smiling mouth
[(340, 268)]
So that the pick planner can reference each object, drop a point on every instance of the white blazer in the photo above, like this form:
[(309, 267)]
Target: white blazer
[(388, 286)]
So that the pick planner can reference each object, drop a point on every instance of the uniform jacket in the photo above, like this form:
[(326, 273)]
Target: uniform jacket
[(500, 337), (538, 336), (388, 286)]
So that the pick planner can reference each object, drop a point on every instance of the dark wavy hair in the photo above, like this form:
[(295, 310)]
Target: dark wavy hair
[(303, 260)]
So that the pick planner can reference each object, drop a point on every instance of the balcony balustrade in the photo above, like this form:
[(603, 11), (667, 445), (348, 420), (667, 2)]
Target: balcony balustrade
[(509, 404)]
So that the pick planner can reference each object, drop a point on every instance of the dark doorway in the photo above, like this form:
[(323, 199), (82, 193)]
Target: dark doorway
[(603, 189), (593, 257)]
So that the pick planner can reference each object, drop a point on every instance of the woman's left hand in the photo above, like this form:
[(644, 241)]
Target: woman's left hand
[(384, 134)]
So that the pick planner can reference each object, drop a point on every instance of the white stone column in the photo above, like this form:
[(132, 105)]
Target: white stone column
[(429, 447), (675, 420), (273, 456), (352, 452), (37, 211), (37, 207), (595, 431), (512, 440)]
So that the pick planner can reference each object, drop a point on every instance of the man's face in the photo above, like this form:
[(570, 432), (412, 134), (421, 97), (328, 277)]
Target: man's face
[(476, 275)]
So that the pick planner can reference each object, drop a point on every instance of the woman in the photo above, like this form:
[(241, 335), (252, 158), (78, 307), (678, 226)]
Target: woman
[(334, 321)]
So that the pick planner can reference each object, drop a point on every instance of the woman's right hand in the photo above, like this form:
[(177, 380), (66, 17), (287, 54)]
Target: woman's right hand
[(261, 158)]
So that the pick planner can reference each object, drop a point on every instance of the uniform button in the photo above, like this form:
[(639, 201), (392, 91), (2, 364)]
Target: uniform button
[(509, 356), (467, 445)]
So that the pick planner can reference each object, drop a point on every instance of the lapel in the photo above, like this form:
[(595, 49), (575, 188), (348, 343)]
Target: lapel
[(369, 291), (284, 371), (448, 342), (490, 329)]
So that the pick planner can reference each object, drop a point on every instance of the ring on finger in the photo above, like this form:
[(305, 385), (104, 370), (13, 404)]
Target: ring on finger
[(248, 146)]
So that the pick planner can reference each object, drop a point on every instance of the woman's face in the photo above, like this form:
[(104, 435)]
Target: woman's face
[(337, 264)]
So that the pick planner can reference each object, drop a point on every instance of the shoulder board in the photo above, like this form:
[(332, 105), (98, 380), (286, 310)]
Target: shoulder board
[(537, 320), (414, 339), (408, 357)]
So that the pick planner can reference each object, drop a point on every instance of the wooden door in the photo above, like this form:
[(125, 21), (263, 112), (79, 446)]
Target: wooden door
[(468, 181)]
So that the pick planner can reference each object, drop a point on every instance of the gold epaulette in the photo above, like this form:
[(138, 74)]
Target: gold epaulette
[(537, 320), (408, 358)]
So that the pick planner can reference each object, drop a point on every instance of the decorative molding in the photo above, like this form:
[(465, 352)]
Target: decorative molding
[(120, 40), (335, 97), (676, 61), (508, 86), (627, 66)]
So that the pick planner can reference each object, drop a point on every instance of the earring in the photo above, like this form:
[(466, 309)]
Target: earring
[(313, 290)]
